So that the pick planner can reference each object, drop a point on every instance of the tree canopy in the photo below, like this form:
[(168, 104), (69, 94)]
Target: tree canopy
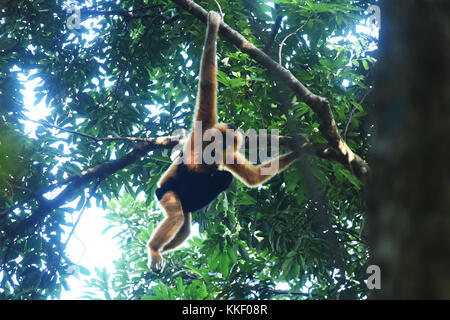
[(117, 88)]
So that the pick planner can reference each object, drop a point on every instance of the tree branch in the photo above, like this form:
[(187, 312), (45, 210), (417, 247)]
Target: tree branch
[(299, 142), (96, 139), (275, 29), (127, 14), (77, 182), (295, 293), (145, 145), (350, 115), (287, 37), (318, 104), (336, 150), (94, 189)]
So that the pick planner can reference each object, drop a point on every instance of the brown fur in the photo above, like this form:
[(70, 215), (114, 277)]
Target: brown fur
[(251, 175)]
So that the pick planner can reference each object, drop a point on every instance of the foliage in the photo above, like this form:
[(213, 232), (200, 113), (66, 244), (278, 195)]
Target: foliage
[(137, 77)]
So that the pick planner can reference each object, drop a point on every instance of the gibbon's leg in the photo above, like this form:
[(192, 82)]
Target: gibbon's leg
[(251, 175), (206, 98), (166, 230), (181, 235)]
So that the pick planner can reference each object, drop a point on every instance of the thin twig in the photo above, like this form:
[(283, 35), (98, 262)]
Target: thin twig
[(88, 136), (350, 115), (128, 14), (94, 189), (220, 8), (296, 293), (287, 37), (122, 71)]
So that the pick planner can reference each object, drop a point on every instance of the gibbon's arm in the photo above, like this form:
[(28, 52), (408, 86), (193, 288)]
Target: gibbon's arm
[(251, 175), (206, 97)]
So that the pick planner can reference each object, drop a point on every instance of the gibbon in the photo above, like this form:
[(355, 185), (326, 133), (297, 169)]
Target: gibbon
[(190, 184)]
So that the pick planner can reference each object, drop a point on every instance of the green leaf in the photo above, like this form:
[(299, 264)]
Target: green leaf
[(351, 178), (223, 78), (81, 202), (180, 285), (246, 199), (286, 267), (237, 82), (84, 271), (199, 289), (224, 264), (365, 64), (232, 255), (213, 261), (357, 106), (150, 298)]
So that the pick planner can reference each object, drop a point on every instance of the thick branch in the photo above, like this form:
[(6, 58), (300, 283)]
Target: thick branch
[(318, 104), (77, 182), (100, 172)]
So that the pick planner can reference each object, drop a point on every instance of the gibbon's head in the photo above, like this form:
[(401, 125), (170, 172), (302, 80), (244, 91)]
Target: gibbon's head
[(230, 133)]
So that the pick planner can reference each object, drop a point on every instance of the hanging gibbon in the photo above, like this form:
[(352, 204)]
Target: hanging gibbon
[(190, 184)]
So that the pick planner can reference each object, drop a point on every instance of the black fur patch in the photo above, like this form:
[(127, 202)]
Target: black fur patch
[(196, 189)]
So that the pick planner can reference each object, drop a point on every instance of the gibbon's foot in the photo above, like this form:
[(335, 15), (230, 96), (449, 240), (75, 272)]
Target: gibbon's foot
[(156, 261)]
